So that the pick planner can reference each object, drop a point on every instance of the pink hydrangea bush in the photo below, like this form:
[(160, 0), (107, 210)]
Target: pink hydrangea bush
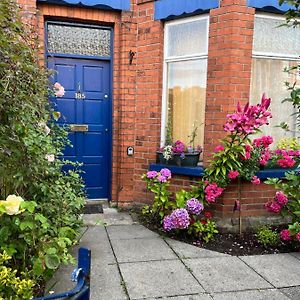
[(291, 234), (185, 213), (287, 203)]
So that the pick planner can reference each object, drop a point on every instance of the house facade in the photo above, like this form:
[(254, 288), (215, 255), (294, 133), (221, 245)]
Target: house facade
[(129, 66)]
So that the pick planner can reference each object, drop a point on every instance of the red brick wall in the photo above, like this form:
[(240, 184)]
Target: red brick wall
[(149, 62), (229, 66), (28, 10), (137, 90)]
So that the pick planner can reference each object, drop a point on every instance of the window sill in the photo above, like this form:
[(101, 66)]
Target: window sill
[(274, 173), (189, 171), (199, 171)]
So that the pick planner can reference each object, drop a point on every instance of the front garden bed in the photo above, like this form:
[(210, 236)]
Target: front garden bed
[(229, 243)]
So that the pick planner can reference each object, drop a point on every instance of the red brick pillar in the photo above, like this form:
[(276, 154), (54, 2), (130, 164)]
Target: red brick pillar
[(149, 63), (229, 66), (124, 109)]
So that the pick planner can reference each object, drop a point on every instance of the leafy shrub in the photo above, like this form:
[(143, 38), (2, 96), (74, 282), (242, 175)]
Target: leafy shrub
[(184, 213), (37, 237), (287, 197), (267, 237), (12, 284)]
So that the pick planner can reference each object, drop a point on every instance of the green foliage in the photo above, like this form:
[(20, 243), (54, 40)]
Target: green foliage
[(292, 14), (267, 237), (38, 238), (11, 284), (162, 203), (203, 229), (165, 202), (290, 186), (230, 159), (294, 228)]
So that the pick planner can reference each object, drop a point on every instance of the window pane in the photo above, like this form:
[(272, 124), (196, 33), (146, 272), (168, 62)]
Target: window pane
[(186, 98), (187, 38), (78, 40), (268, 77), (269, 38)]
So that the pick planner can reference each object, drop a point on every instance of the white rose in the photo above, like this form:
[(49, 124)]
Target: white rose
[(50, 157), (12, 204), (47, 130)]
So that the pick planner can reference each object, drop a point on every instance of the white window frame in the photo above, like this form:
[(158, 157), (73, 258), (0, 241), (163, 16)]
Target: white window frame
[(271, 55), (169, 59)]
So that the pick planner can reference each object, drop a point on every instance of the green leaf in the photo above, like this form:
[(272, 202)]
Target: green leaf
[(51, 250), (4, 234), (28, 205), (52, 261), (26, 224), (38, 267), (40, 218), (223, 170), (161, 214)]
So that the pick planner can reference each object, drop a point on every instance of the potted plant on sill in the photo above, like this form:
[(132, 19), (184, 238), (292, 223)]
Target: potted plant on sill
[(178, 154)]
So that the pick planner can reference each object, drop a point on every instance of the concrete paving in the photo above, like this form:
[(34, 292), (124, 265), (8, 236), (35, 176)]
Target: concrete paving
[(131, 262)]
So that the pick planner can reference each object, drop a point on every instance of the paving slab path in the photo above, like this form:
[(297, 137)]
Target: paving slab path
[(131, 262)]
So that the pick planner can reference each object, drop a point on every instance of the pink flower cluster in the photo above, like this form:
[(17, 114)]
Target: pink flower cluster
[(275, 206), (250, 118), (287, 158), (162, 176), (247, 154), (59, 90), (219, 148), (212, 191), (264, 141), (255, 180), (288, 152), (285, 235), (179, 219), (194, 206), (286, 161), (178, 147), (233, 174)]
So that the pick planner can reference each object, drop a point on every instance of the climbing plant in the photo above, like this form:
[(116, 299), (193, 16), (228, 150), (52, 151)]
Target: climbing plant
[(30, 165)]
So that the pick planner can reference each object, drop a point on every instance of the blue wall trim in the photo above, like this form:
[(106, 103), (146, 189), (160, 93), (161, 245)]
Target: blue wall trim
[(189, 171), (102, 4), (269, 5), (199, 171), (166, 9)]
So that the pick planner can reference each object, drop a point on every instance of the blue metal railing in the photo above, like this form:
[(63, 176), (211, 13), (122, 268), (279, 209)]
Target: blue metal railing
[(81, 275)]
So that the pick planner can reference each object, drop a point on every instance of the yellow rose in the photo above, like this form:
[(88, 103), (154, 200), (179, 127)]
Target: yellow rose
[(12, 204)]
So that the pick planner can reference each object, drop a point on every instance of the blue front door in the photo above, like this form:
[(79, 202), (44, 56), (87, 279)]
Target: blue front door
[(86, 108)]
